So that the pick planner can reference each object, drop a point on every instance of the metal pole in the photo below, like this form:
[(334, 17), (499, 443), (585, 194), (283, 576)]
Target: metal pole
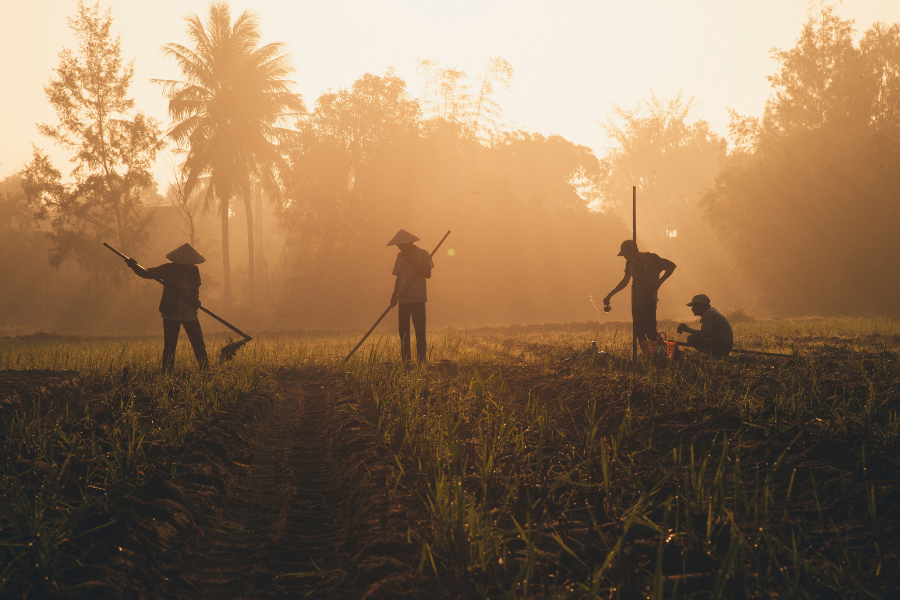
[(634, 239)]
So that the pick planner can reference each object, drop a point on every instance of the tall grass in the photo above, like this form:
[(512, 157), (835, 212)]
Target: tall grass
[(550, 479), (69, 458), (536, 475)]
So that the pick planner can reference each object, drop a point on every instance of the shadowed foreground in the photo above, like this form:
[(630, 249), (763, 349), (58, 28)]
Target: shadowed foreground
[(507, 467)]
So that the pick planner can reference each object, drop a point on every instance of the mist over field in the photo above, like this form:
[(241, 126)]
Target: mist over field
[(790, 212), (548, 440)]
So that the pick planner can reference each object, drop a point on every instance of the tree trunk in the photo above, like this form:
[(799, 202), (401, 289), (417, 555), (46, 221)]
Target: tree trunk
[(226, 258), (251, 250), (261, 260)]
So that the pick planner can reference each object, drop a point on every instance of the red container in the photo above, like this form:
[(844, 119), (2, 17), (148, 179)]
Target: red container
[(670, 349)]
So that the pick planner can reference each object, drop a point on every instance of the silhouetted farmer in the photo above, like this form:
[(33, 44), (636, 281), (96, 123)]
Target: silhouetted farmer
[(715, 336), (412, 267), (180, 300), (647, 269)]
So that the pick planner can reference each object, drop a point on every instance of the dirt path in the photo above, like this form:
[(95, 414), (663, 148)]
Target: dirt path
[(280, 526)]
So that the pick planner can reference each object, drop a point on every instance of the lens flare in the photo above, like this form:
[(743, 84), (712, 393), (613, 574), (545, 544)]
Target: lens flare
[(451, 252)]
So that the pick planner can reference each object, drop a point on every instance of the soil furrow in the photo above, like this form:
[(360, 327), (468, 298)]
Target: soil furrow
[(276, 530)]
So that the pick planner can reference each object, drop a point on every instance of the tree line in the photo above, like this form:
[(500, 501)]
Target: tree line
[(795, 217)]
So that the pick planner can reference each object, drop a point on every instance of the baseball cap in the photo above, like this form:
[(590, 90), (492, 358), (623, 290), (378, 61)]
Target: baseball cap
[(628, 246)]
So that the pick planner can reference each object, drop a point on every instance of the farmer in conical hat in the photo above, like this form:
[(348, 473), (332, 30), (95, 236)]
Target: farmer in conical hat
[(180, 300), (412, 267)]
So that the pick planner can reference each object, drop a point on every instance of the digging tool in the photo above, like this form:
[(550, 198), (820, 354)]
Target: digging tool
[(230, 349), (388, 309), (740, 351)]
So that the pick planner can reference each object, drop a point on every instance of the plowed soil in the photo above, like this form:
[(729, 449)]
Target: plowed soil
[(294, 512), (283, 498), (289, 494), (284, 511)]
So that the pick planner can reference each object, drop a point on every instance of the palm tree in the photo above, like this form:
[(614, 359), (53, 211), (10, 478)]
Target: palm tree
[(229, 116)]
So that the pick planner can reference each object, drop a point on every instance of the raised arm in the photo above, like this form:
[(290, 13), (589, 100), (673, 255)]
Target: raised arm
[(139, 270)]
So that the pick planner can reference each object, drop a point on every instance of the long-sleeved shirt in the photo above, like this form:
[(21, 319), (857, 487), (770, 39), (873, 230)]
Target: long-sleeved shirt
[(181, 289)]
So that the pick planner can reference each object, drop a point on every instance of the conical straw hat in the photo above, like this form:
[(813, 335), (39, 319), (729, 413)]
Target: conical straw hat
[(185, 255), (402, 237)]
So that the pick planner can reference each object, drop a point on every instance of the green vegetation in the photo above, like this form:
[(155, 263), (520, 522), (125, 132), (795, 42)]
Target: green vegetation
[(739, 477), (74, 454), (531, 474)]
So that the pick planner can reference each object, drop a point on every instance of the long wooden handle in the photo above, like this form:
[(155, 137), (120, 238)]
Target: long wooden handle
[(224, 322), (388, 309), (116, 251)]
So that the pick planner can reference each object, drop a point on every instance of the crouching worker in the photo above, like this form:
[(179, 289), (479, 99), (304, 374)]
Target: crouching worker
[(180, 300), (412, 267), (715, 336)]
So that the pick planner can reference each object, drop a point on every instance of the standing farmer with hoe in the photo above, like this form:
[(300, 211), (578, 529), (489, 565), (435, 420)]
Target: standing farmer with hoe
[(180, 301), (646, 267), (412, 267)]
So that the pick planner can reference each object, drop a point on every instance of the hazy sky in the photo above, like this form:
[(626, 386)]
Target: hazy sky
[(573, 60)]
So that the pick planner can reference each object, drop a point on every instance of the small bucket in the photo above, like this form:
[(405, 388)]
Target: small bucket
[(670, 349), (646, 348)]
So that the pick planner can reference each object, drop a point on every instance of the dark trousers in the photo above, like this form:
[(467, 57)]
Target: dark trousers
[(644, 321), (711, 347), (416, 310), (171, 329)]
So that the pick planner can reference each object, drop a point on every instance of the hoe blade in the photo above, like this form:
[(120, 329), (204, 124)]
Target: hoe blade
[(229, 350)]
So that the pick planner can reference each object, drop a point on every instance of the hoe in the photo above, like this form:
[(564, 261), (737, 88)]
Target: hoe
[(388, 309), (230, 349)]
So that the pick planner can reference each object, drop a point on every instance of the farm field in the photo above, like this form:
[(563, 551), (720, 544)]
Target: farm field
[(505, 468)]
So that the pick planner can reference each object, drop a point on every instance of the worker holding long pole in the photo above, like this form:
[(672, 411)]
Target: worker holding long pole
[(410, 267), (634, 339), (180, 302)]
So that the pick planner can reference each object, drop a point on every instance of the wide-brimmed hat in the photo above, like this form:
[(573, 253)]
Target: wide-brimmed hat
[(628, 246), (402, 237), (699, 299), (185, 255)]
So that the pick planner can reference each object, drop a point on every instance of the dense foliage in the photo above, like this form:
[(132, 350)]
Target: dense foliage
[(526, 244), (808, 200), (796, 216), (228, 113), (112, 149)]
